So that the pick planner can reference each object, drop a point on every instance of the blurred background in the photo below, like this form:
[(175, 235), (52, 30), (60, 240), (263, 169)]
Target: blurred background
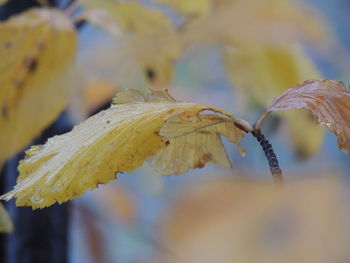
[(234, 54)]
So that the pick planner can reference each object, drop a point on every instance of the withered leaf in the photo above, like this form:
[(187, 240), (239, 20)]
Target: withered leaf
[(116, 140), (329, 102)]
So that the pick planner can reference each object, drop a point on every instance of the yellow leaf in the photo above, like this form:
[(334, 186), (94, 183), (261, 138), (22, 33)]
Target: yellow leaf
[(154, 54), (190, 8), (36, 48), (113, 141), (5, 221), (128, 96), (97, 93), (150, 44), (305, 135), (255, 22), (192, 141), (263, 73), (131, 16), (102, 19)]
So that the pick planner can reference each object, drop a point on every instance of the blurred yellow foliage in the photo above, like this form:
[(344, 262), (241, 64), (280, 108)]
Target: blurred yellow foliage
[(5, 221), (97, 93), (240, 22), (260, 45), (119, 202), (305, 136), (264, 73), (131, 16), (260, 53), (148, 38), (37, 49), (191, 8), (229, 220)]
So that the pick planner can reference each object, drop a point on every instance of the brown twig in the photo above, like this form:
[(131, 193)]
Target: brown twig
[(276, 171)]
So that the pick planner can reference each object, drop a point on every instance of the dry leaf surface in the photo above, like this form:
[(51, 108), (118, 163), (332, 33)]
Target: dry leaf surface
[(114, 141), (329, 102)]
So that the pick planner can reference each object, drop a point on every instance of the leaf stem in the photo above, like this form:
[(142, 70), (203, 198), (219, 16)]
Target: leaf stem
[(276, 171), (261, 120)]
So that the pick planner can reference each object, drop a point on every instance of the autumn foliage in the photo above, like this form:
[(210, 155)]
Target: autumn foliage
[(263, 58)]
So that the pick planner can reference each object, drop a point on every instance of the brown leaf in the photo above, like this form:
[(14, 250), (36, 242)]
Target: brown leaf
[(329, 102)]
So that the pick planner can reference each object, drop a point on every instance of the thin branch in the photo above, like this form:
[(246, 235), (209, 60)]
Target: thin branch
[(261, 120), (73, 6), (276, 171)]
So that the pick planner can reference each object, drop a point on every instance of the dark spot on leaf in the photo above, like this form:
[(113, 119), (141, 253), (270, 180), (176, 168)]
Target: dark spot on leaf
[(150, 74), (99, 183), (207, 157), (108, 122), (40, 45), (200, 164), (4, 112), (204, 132), (167, 142), (17, 83), (31, 63), (8, 45)]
